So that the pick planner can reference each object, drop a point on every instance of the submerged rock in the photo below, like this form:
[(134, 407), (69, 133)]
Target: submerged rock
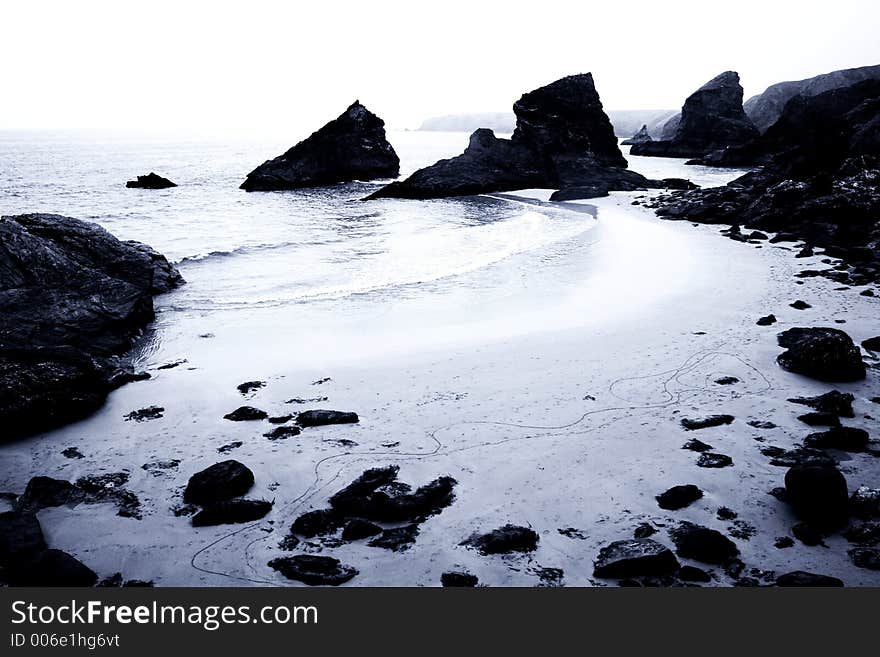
[(634, 557), (314, 570), (679, 497), (221, 481), (72, 300), (712, 118), (506, 539), (351, 147), (227, 512), (803, 578), (563, 138), (150, 181), (825, 354)]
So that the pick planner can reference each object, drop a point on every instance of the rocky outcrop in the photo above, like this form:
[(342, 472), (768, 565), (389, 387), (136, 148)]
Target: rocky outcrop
[(351, 147), (820, 180), (72, 300), (825, 354), (150, 181), (712, 118), (639, 137), (765, 108), (563, 138)]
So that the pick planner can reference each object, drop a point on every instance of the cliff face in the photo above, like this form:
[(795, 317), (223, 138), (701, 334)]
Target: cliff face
[(712, 118), (562, 138), (351, 147), (765, 108)]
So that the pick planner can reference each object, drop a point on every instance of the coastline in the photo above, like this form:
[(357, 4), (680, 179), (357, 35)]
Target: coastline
[(508, 417)]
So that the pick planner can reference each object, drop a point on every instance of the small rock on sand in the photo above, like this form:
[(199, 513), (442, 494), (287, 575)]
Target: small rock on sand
[(679, 497), (221, 481), (314, 570), (692, 424), (506, 539)]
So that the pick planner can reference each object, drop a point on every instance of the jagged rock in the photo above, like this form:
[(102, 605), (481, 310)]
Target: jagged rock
[(250, 386), (52, 568), (357, 529), (863, 533), (150, 181), (695, 445), (818, 494), (764, 109), (562, 139), (144, 414), (767, 320), (865, 502), (713, 460), (864, 557), (712, 118), (397, 539), (640, 137), (644, 530), (506, 539), (72, 299), (318, 417), (838, 403), (227, 512), (800, 305), (726, 513), (633, 558), (706, 422), (703, 544), (678, 497), (351, 147), (803, 578), (221, 481), (457, 578), (825, 354), (761, 424), (847, 439), (42, 492), (246, 414), (72, 453), (314, 570), (21, 537), (787, 458), (872, 344)]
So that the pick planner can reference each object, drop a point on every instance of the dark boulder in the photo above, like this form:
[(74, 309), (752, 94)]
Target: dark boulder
[(227, 512), (150, 181), (820, 419), (221, 481), (563, 138), (640, 137), (349, 500), (455, 578), (351, 147), (51, 568), (713, 460), (787, 458), (803, 578), (693, 574), (319, 417), (825, 354), (695, 445), (767, 320), (250, 386), (633, 558), (280, 419), (712, 118), (800, 305), (246, 414), (818, 494), (838, 403), (847, 439), (282, 433), (644, 530), (397, 539), (703, 544), (357, 529), (72, 300), (506, 539), (21, 537), (319, 522), (679, 497), (42, 492), (144, 414), (872, 344), (865, 557), (314, 570), (692, 424), (865, 502)]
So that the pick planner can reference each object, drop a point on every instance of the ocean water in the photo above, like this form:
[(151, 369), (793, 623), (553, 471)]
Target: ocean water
[(318, 270)]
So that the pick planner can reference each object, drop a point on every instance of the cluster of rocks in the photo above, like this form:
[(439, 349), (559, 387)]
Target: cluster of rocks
[(375, 506), (72, 300), (563, 140), (284, 429), (218, 489)]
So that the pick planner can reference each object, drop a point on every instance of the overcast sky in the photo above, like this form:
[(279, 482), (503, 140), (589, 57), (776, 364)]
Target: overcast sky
[(256, 66)]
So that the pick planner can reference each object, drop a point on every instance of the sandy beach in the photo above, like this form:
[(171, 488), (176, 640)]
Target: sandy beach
[(556, 405)]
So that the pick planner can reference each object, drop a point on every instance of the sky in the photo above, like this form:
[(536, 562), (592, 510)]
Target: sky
[(266, 67)]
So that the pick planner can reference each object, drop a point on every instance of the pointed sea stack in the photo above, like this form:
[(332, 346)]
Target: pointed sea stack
[(351, 147), (712, 118), (563, 138), (641, 137)]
